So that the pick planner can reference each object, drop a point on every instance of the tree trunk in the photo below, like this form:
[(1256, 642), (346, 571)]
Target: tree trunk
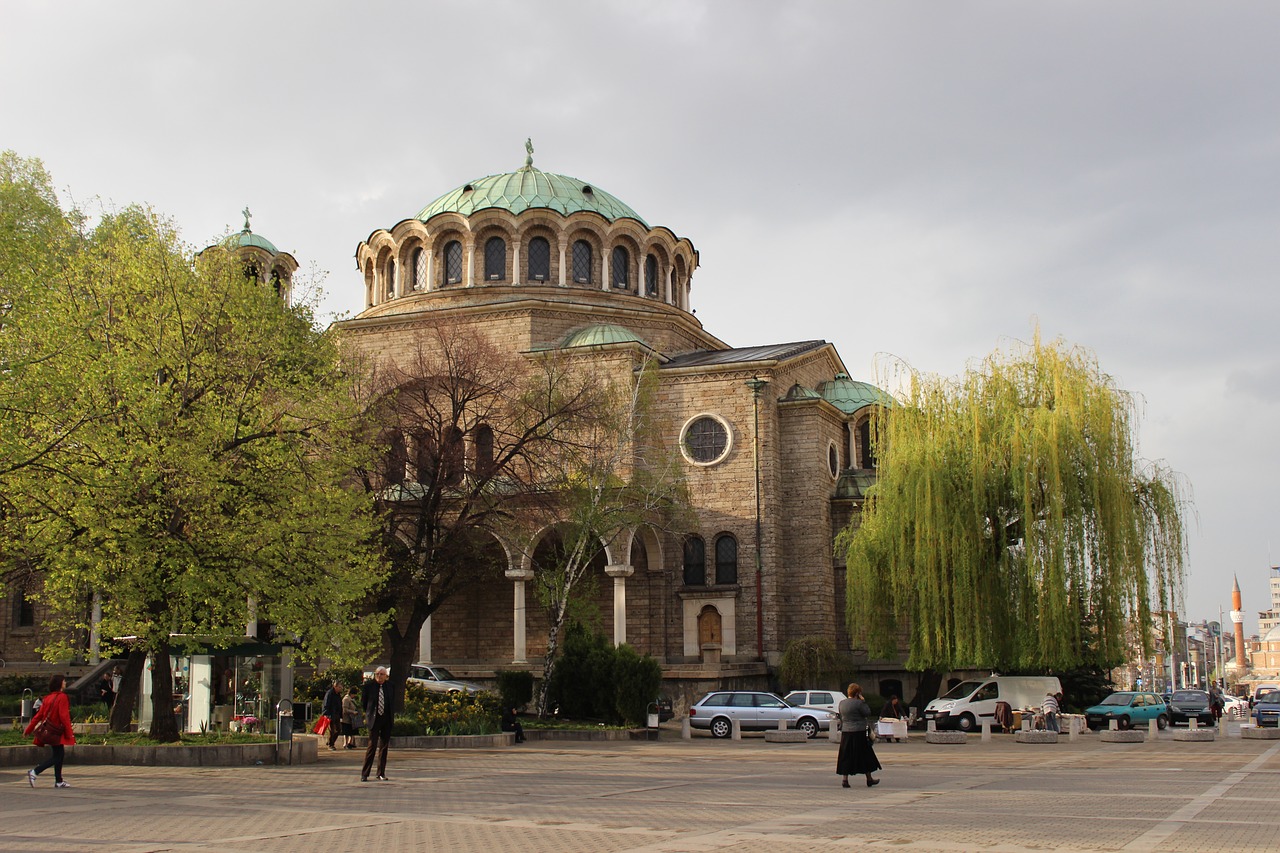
[(404, 652), (127, 695), (926, 690), (549, 660), (164, 723)]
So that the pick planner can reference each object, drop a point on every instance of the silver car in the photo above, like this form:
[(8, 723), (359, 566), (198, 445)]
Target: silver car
[(759, 711), (437, 679)]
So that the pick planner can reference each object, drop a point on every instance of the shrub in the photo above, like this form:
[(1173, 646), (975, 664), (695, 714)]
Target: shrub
[(427, 713), (638, 679), (515, 687), (593, 680)]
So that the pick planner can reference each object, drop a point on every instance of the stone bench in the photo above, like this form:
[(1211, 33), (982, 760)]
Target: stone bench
[(785, 736), (1259, 733), (1197, 735), (1036, 736), (946, 737), (1122, 736)]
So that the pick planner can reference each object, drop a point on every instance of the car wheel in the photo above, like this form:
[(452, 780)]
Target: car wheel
[(966, 723), (809, 726), (721, 727), (1124, 722), (1162, 722)]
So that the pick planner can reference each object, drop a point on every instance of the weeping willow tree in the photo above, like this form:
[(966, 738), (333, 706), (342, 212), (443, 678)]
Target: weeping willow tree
[(1012, 525)]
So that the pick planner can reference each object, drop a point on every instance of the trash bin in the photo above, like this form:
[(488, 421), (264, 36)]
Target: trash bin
[(284, 720), (653, 715), (28, 703)]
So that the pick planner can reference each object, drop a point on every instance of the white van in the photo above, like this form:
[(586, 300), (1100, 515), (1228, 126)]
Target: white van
[(966, 705)]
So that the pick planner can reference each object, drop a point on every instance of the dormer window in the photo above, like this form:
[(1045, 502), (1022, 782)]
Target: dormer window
[(452, 262), (495, 259), (618, 268), (651, 276), (539, 259), (582, 262), (419, 269)]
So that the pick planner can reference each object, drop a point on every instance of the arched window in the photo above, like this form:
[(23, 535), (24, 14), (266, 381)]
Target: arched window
[(651, 275), (424, 457), (695, 561), (726, 559), (483, 439), (865, 454), (453, 457), (390, 278), (275, 281), (495, 259), (582, 262), (251, 271), (397, 457), (419, 269), (618, 271), (24, 610), (539, 259), (452, 262)]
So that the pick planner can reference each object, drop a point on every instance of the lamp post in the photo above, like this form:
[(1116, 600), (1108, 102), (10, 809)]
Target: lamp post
[(756, 384)]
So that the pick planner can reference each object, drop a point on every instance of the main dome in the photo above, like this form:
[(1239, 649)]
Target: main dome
[(528, 188)]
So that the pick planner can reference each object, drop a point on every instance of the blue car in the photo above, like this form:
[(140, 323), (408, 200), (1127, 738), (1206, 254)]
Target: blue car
[(1128, 709), (1266, 709)]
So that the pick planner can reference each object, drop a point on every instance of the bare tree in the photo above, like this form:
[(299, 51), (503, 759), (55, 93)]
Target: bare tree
[(463, 428)]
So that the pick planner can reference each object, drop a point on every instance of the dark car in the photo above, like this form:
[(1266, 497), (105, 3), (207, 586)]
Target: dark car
[(1188, 705), (1266, 708), (665, 711)]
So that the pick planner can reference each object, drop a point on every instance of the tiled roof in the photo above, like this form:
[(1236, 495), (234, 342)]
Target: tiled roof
[(769, 352)]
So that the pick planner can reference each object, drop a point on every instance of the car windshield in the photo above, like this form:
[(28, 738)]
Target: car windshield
[(442, 674), (1117, 699), (1190, 696), (962, 690), (1272, 698)]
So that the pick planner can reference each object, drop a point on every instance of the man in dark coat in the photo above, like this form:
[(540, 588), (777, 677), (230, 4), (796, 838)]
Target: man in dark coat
[(332, 709), (378, 716)]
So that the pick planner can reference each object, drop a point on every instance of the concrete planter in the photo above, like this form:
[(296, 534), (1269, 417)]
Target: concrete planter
[(1122, 736), (946, 737), (785, 736), (1036, 737), (1259, 733), (212, 755), (1195, 735)]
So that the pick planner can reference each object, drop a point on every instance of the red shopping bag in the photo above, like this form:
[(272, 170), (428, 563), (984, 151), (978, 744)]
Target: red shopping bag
[(321, 726)]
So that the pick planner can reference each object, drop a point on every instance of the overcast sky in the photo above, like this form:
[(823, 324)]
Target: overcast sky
[(926, 180)]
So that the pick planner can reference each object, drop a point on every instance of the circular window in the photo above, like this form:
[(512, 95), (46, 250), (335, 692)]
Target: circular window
[(705, 440), (833, 459)]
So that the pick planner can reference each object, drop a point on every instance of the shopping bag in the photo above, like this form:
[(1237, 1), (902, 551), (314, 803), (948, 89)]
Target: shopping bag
[(321, 726)]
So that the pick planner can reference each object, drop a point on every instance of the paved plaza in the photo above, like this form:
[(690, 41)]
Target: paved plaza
[(674, 796)]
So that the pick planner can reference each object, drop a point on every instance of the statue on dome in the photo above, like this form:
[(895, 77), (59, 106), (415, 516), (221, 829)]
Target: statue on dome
[(528, 146), (246, 217)]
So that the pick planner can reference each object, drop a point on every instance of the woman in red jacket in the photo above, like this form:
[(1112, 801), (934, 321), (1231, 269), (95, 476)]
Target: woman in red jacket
[(56, 708)]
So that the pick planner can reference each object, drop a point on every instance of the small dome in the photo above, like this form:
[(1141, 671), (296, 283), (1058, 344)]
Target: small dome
[(248, 238), (1273, 635), (526, 189), (800, 392), (849, 395), (604, 333)]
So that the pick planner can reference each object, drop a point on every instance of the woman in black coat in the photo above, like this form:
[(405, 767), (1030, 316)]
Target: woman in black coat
[(856, 753)]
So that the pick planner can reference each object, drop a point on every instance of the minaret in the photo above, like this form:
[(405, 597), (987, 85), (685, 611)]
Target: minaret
[(1237, 620)]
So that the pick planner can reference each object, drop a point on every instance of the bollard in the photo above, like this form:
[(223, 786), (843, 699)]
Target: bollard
[(1073, 729), (1192, 724), (686, 730), (782, 725), (933, 726), (833, 730), (1152, 728), (1026, 724), (1113, 726), (736, 728), (986, 730)]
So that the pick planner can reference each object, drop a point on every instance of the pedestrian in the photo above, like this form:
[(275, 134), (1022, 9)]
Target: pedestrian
[(51, 726), (1049, 707), (856, 753), (511, 723), (894, 710), (107, 691), (378, 717), (350, 717), (332, 708)]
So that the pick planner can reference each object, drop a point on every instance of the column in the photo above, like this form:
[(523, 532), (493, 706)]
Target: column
[(519, 651), (515, 261), (619, 572), (564, 273), (424, 642)]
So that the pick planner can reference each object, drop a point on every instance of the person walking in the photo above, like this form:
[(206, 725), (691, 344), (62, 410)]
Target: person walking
[(378, 717), (53, 722), (1050, 707), (350, 718), (332, 708), (856, 753)]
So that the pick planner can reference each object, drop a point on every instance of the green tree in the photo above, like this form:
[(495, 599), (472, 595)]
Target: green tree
[(204, 487), (1012, 525)]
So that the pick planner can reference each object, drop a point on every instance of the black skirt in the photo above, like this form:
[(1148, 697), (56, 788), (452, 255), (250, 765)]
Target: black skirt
[(856, 755)]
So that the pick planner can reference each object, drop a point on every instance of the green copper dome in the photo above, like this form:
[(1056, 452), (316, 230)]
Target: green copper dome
[(604, 333), (849, 395), (528, 188), (248, 238)]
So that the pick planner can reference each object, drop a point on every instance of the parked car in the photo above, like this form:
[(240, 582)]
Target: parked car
[(827, 700), (1235, 707), (437, 679), (1128, 708), (759, 711), (1261, 689), (1187, 705), (665, 710), (1266, 708)]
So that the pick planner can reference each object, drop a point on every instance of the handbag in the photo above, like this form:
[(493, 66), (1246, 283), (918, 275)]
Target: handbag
[(47, 732)]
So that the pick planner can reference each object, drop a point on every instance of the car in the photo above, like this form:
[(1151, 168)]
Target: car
[(1235, 707), (1260, 689), (665, 709), (1128, 708), (1186, 705), (437, 679), (827, 700), (717, 710), (1266, 708)]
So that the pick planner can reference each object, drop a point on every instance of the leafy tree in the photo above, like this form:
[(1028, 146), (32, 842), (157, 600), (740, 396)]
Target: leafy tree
[(616, 476), (204, 485), (1012, 525), (438, 510)]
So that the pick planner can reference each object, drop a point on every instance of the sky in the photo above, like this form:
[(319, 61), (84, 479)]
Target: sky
[(916, 181)]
